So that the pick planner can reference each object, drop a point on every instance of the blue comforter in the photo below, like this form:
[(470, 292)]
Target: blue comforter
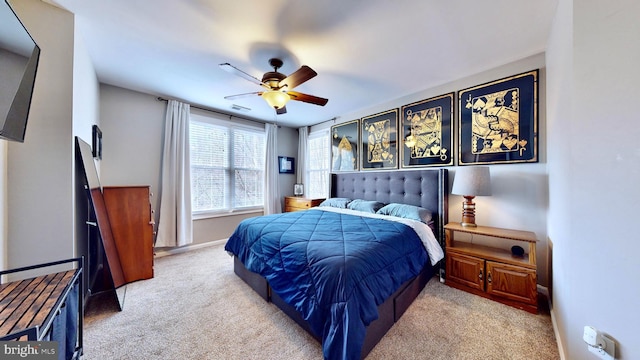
[(334, 268)]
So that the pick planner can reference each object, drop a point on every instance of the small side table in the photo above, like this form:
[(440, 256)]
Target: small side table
[(492, 272), (297, 203)]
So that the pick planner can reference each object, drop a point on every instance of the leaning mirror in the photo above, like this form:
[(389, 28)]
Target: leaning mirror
[(105, 274)]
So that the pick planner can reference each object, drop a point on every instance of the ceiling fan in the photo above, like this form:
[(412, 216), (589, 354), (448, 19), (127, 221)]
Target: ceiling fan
[(279, 86)]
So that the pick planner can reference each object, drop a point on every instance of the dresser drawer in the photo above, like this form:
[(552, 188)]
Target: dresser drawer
[(292, 203)]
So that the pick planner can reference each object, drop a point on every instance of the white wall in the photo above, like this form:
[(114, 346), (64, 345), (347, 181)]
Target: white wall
[(132, 125), (85, 115), (40, 170), (287, 146), (593, 55), (519, 191), (559, 59), (3, 205), (86, 92)]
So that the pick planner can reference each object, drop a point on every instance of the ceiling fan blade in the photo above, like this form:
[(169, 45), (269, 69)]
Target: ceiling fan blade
[(298, 77), (234, 70), (282, 110), (307, 98), (237, 96)]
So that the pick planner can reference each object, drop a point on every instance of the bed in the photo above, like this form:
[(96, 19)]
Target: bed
[(347, 276)]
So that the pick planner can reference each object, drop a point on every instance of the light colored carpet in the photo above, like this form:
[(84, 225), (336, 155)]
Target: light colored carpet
[(196, 308)]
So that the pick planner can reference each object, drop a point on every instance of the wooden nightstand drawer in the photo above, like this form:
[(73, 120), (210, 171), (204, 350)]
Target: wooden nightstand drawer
[(293, 203)]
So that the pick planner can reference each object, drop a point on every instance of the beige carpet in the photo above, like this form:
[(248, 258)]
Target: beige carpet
[(196, 308)]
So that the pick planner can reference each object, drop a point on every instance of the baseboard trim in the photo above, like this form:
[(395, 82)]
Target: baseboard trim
[(545, 291), (182, 249)]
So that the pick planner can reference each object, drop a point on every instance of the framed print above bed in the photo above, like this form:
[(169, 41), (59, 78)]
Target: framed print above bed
[(344, 146), (498, 122), (426, 132), (379, 143)]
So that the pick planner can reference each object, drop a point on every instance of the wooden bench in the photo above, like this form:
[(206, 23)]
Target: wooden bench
[(28, 307)]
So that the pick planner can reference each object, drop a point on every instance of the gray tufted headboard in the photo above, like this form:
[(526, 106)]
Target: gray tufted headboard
[(426, 188)]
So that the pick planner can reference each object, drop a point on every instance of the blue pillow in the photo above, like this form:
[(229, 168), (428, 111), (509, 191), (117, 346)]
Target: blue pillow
[(407, 211), (336, 202), (365, 205)]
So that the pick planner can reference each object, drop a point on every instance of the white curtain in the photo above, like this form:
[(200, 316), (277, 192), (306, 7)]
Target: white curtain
[(272, 187), (175, 225), (303, 153)]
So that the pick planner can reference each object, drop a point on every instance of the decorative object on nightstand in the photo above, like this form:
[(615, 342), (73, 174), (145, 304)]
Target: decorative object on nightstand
[(471, 182), (298, 189), (297, 203), (491, 272)]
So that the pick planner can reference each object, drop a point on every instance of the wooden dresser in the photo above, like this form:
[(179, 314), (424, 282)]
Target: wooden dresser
[(132, 225), (296, 203)]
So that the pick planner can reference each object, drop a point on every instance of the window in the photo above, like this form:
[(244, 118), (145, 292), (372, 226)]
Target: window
[(318, 165), (227, 165)]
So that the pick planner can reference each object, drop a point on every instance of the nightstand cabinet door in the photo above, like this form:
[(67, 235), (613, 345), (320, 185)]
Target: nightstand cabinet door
[(512, 282), (465, 270)]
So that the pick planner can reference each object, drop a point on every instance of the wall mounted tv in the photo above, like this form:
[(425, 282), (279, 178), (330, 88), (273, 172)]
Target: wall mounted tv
[(19, 56)]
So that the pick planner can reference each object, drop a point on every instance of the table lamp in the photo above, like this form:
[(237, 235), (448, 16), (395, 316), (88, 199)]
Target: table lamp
[(471, 182)]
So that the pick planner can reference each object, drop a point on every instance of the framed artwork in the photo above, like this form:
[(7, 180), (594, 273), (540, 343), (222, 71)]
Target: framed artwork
[(426, 133), (286, 165), (499, 121), (344, 146), (379, 145), (97, 142)]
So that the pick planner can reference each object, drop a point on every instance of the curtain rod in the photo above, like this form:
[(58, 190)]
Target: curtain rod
[(159, 98), (332, 119)]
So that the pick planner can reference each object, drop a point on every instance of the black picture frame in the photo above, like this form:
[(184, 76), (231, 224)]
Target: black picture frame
[(96, 142), (426, 132), (498, 121), (345, 139), (286, 165), (379, 141)]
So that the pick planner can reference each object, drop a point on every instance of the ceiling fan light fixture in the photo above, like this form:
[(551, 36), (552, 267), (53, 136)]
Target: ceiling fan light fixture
[(276, 99)]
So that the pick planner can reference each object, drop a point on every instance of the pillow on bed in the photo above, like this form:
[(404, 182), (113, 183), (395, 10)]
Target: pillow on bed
[(336, 202), (365, 205), (407, 212)]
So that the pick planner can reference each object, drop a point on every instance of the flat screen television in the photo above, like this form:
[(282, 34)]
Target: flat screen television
[(19, 56)]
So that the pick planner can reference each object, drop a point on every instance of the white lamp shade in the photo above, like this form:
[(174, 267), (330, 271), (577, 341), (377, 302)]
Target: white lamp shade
[(276, 99), (472, 181)]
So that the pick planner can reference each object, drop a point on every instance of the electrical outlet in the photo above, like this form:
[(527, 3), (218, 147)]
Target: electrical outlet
[(606, 352), (599, 343)]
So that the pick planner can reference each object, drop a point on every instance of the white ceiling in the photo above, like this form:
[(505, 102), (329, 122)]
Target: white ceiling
[(366, 52)]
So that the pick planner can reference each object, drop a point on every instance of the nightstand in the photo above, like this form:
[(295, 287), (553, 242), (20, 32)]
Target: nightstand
[(491, 272), (296, 203)]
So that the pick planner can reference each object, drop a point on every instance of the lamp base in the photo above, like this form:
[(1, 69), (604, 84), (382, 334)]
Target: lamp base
[(468, 212)]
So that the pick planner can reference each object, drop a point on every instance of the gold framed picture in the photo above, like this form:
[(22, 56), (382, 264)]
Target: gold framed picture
[(426, 132), (498, 122), (379, 145), (344, 146)]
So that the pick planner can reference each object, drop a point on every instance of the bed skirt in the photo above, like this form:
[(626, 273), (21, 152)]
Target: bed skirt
[(389, 311)]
